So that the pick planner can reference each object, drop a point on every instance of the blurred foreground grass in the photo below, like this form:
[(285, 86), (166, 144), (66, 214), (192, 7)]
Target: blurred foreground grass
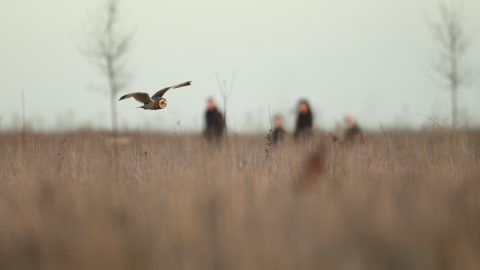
[(399, 200)]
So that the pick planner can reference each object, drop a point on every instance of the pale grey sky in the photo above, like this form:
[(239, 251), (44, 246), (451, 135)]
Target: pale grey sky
[(368, 58)]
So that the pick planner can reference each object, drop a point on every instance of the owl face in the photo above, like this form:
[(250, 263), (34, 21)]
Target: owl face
[(162, 103)]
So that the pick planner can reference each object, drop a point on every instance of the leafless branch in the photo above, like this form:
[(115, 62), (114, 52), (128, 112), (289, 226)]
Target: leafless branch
[(225, 92), (436, 122)]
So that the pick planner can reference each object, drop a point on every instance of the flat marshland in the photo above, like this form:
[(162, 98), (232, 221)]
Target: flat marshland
[(398, 200)]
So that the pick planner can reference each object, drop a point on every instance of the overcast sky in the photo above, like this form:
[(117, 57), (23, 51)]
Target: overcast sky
[(367, 58)]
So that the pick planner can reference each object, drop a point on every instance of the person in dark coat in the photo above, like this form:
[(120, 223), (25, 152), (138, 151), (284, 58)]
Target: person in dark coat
[(278, 132), (214, 122), (353, 132), (304, 120)]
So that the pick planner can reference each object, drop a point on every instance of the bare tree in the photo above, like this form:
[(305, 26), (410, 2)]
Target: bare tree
[(225, 91), (108, 47), (452, 45)]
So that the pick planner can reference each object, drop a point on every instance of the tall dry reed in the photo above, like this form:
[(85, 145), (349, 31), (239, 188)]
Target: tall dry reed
[(399, 200)]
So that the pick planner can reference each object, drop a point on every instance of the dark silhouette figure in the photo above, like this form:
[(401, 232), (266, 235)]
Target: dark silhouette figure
[(214, 122), (304, 120), (353, 132), (278, 132)]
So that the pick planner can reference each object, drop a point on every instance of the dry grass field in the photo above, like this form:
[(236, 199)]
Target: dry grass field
[(398, 200)]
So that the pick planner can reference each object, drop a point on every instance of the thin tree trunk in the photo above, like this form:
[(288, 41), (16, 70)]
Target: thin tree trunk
[(225, 124), (454, 105), (454, 83), (113, 92), (114, 114)]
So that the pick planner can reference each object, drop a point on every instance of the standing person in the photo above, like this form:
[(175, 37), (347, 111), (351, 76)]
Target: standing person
[(214, 122), (353, 130), (278, 132), (304, 120)]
